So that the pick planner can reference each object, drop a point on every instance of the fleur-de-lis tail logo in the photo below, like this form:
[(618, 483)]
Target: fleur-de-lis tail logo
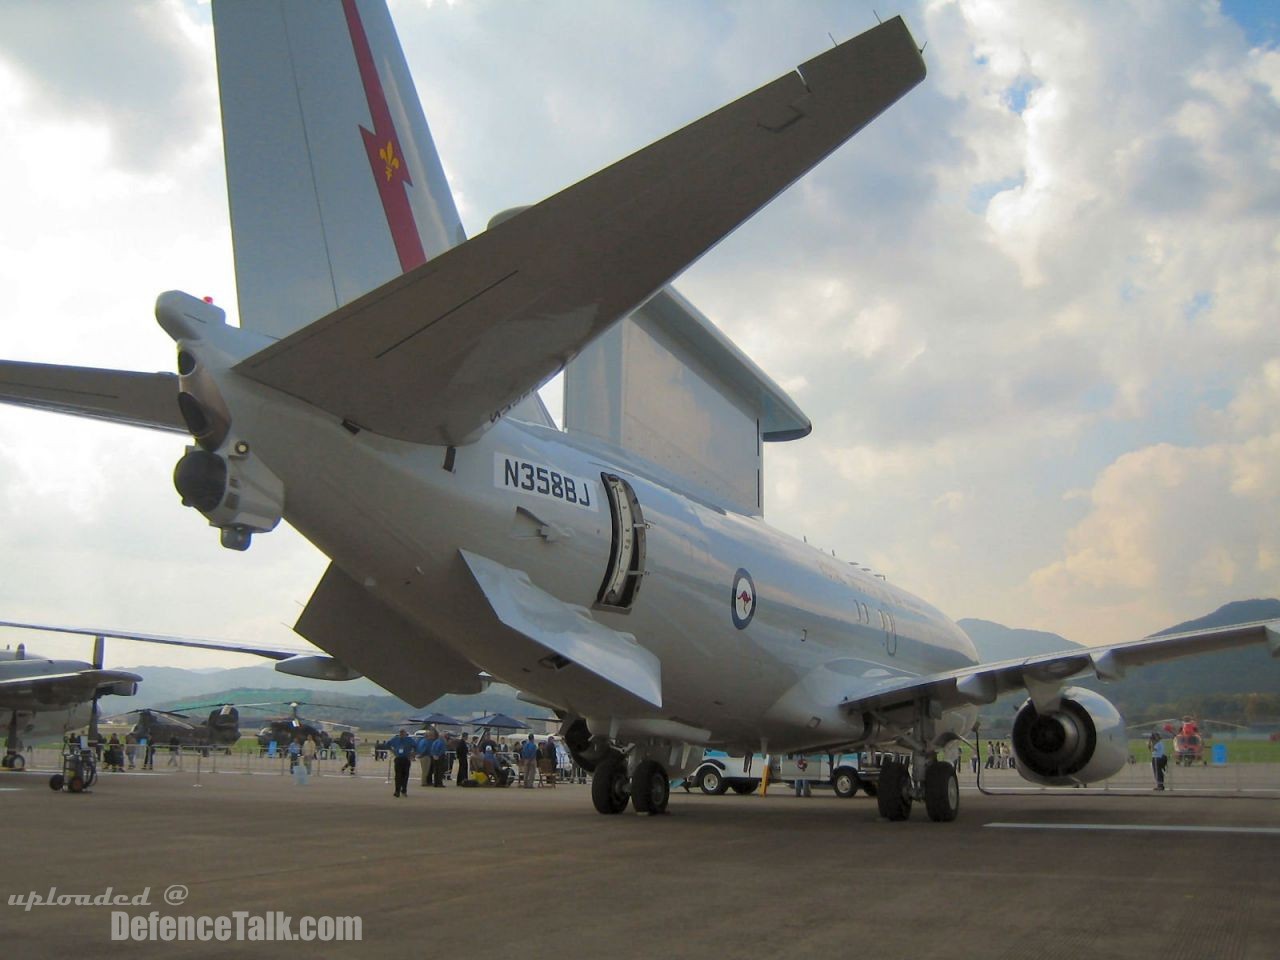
[(388, 155)]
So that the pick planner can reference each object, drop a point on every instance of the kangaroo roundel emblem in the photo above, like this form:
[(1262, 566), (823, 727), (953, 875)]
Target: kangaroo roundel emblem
[(744, 599)]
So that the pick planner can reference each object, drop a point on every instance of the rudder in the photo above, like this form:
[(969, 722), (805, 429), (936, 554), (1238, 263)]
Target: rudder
[(333, 179)]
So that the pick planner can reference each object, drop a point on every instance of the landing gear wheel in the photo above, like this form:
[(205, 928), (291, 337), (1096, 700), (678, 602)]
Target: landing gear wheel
[(894, 794), (610, 786), (845, 783), (941, 792), (711, 782), (650, 788), (745, 787), (18, 762), (56, 782)]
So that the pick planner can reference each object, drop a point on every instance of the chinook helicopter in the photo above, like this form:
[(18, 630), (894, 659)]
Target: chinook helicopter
[(221, 729)]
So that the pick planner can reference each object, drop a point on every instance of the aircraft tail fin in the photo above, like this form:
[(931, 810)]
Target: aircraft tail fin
[(334, 182)]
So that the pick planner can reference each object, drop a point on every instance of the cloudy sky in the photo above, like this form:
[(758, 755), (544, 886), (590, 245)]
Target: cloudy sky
[(1033, 311)]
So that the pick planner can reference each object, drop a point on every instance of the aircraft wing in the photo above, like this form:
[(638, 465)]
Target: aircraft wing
[(434, 355), (293, 661), (230, 646), (1042, 676), (121, 396), (67, 686)]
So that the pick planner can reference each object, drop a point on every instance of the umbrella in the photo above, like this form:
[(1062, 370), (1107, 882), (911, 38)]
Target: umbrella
[(499, 721), (436, 720)]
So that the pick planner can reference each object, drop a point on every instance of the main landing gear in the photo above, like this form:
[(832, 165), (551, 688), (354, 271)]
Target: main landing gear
[(647, 789), (939, 788)]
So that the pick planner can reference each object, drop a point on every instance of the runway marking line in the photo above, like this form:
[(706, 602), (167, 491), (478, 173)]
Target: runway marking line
[(1136, 827)]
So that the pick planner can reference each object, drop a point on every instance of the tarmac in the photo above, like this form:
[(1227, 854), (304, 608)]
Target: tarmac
[(487, 872)]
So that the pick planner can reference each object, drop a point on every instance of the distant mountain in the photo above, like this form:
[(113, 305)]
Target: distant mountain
[(1238, 611), (168, 685), (998, 642)]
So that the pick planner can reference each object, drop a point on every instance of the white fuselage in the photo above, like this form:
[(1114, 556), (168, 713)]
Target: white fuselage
[(391, 516)]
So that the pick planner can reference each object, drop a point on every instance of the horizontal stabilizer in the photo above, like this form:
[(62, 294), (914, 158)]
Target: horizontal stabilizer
[(435, 354), (567, 632), (349, 622), (121, 396)]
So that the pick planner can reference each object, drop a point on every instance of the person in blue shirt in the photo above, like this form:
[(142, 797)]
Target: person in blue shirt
[(529, 762), (439, 759), (422, 749), (402, 749), (1158, 759)]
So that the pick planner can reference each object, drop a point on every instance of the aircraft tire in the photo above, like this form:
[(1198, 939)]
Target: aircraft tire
[(745, 788), (56, 782), (845, 783), (711, 782), (894, 794), (650, 788), (941, 792), (610, 786), (19, 762)]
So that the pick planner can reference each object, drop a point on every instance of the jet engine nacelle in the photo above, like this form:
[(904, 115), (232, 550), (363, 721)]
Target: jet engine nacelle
[(1082, 741), (234, 490), (316, 667)]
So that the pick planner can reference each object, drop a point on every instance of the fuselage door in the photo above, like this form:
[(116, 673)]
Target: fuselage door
[(626, 558)]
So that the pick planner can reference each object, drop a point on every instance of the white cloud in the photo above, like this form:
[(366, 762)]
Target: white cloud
[(1170, 528)]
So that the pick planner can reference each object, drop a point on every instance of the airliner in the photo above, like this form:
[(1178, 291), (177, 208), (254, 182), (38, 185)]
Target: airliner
[(379, 393)]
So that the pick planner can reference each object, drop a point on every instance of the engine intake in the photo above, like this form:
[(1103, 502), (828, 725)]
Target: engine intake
[(1083, 741), (235, 491)]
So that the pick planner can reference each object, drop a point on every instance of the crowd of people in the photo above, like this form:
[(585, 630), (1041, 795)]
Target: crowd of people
[(997, 755), (469, 761)]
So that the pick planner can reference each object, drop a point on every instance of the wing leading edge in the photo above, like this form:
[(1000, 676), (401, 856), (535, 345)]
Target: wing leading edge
[(1042, 676), (435, 354), (293, 661)]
